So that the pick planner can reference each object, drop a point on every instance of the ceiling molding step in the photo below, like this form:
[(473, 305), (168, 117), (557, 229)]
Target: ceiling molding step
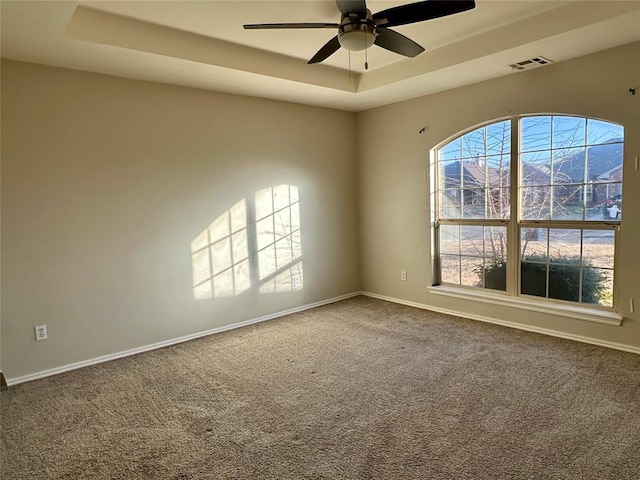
[(571, 17), (105, 28)]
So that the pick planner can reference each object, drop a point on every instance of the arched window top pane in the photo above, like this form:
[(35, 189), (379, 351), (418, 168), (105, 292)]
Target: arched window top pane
[(568, 132), (488, 140), (474, 171), (600, 132)]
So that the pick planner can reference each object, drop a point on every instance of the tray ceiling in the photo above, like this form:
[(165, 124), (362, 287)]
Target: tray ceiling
[(202, 44)]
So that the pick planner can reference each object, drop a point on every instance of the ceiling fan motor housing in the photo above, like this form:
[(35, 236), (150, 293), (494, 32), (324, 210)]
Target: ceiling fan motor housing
[(357, 33)]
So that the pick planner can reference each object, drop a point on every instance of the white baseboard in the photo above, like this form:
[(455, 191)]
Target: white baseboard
[(165, 343), (186, 338), (505, 323)]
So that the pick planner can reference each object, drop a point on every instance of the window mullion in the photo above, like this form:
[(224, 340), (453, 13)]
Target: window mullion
[(513, 238)]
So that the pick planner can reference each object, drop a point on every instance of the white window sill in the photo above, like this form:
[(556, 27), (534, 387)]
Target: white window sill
[(578, 312)]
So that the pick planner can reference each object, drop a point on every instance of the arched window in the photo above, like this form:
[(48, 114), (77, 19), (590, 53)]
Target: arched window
[(530, 206)]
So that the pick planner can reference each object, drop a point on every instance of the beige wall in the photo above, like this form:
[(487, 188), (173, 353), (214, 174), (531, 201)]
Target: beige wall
[(106, 182), (394, 228)]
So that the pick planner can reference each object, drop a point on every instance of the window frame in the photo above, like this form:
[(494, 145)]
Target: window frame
[(512, 295)]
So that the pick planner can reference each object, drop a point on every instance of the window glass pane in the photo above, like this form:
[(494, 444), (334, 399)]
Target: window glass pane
[(498, 174), (474, 173), (533, 279), (495, 242), (535, 133), (564, 282), (450, 151), (450, 269), (473, 203), (472, 241), (499, 138), (567, 203), (498, 205), (604, 163), (565, 246), (536, 203), (470, 268), (473, 144), (494, 275), (536, 168), (450, 239), (452, 175), (568, 165), (450, 204), (569, 131), (599, 132), (533, 242), (598, 248), (612, 206), (597, 286)]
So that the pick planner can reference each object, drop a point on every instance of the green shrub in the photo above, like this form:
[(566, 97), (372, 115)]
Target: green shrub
[(564, 278)]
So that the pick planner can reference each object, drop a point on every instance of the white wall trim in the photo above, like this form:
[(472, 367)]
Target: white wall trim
[(166, 343), (579, 312), (505, 323), (193, 336)]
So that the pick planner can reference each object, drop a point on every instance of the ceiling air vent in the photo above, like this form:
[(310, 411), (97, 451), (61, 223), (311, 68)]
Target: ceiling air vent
[(530, 63)]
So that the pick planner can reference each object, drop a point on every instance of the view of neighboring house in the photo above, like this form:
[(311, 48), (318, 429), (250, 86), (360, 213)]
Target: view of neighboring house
[(472, 185), (604, 171)]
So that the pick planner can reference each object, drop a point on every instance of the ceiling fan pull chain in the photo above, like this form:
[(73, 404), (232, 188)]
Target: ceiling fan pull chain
[(366, 58)]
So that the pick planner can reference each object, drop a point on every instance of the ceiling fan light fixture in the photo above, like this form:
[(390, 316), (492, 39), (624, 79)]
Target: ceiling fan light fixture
[(356, 40)]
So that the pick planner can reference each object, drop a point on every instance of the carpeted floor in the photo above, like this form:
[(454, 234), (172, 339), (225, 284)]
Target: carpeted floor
[(361, 389)]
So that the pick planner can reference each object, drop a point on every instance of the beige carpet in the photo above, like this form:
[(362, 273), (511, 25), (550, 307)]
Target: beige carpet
[(361, 389)]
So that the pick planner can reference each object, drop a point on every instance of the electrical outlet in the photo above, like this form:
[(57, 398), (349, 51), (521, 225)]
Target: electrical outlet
[(41, 332), (403, 276)]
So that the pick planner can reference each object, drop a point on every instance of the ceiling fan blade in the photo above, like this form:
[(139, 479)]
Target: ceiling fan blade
[(397, 43), (326, 51), (352, 6), (421, 11), (264, 26)]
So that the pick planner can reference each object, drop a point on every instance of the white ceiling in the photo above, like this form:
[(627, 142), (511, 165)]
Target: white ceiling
[(202, 44)]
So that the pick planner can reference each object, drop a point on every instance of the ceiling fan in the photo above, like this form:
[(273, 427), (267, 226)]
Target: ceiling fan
[(359, 28)]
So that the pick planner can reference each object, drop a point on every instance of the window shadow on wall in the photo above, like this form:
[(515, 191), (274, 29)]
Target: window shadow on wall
[(254, 244)]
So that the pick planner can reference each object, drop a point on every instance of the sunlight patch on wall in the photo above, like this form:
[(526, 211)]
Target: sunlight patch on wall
[(278, 239), (256, 243), (220, 256)]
